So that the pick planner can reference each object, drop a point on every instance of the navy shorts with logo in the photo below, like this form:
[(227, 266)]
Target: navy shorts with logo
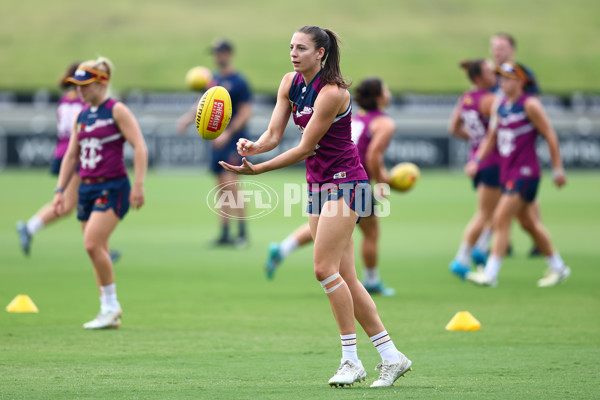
[(102, 196), (357, 195), (489, 176), (526, 188)]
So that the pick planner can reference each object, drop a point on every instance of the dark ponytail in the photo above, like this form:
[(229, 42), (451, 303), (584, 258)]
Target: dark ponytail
[(329, 41), (367, 92), (473, 68)]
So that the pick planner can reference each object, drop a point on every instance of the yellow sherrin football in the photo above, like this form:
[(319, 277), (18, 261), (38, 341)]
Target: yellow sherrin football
[(213, 113), (404, 176)]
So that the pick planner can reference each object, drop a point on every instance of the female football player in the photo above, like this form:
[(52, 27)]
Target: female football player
[(520, 118), (316, 95), (372, 130), (105, 195), (69, 106), (469, 121)]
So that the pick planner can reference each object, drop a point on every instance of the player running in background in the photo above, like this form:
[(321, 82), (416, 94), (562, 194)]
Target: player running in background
[(502, 48), (105, 195), (520, 118), (372, 130), (224, 147), (69, 105), (316, 95), (469, 121)]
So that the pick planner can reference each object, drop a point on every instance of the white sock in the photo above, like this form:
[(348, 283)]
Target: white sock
[(108, 298), (493, 265), (483, 243), (34, 224), (288, 245), (464, 254), (371, 276), (386, 348), (349, 348), (555, 262)]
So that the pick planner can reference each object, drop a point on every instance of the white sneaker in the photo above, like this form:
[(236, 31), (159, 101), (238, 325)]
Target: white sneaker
[(389, 373), (553, 277), (480, 278), (110, 319), (347, 374)]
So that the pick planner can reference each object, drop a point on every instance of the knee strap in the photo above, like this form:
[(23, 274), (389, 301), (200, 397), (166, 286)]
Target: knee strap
[(331, 283)]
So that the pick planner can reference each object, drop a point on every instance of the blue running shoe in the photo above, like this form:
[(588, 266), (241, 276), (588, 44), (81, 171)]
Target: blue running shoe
[(24, 237), (273, 261), (479, 257), (459, 269), (115, 255), (379, 288)]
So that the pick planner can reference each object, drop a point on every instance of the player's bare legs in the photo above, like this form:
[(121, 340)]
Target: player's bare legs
[(46, 215), (487, 200), (96, 234), (279, 251)]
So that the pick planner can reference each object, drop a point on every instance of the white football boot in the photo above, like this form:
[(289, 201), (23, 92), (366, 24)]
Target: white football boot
[(553, 277), (347, 374), (107, 319), (389, 373), (480, 278)]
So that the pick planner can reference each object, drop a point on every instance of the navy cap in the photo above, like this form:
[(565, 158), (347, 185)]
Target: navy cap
[(220, 46)]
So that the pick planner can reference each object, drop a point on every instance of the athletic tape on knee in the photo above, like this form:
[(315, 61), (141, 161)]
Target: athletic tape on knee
[(332, 283)]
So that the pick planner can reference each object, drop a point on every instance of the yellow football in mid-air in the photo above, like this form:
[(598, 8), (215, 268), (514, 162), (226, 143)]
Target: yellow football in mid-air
[(404, 176)]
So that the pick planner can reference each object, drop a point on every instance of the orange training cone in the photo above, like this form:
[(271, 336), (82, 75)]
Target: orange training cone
[(22, 304), (463, 321)]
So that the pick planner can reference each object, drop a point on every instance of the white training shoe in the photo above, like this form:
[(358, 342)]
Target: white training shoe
[(389, 373), (480, 278), (553, 277), (110, 319), (347, 374)]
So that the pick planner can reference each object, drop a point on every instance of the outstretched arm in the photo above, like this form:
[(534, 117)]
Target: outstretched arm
[(279, 119), (329, 103)]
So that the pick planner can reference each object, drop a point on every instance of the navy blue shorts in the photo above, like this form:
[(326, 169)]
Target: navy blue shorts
[(103, 196), (228, 154), (489, 176), (356, 194), (527, 188)]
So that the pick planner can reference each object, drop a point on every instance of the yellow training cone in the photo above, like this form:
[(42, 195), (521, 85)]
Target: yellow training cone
[(463, 321), (22, 304)]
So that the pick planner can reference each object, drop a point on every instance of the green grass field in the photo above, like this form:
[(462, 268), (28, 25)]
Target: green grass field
[(414, 45), (202, 323)]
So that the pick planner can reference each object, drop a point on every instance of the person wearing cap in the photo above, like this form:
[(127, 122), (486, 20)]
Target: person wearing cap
[(502, 48), (224, 147), (69, 105), (99, 133), (516, 122)]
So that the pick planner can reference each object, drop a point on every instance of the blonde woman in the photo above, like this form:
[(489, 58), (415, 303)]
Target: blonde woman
[(105, 194)]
